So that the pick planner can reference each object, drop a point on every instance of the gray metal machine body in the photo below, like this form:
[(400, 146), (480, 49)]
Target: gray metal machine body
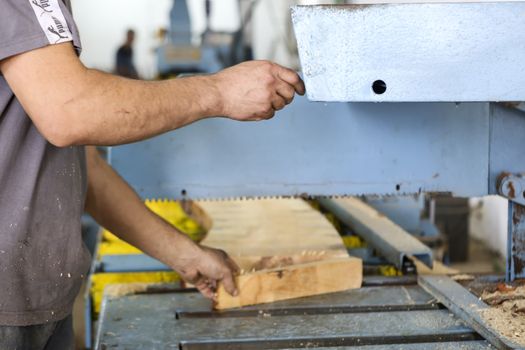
[(348, 148)]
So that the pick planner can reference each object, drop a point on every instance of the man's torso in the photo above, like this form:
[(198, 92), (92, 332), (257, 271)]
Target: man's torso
[(42, 194)]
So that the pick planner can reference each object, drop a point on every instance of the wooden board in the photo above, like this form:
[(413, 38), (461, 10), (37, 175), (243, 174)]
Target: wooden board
[(271, 233), (284, 247), (294, 281), (438, 268)]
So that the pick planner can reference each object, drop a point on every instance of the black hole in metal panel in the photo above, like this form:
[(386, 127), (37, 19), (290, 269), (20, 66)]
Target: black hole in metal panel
[(379, 87), (183, 193), (398, 187)]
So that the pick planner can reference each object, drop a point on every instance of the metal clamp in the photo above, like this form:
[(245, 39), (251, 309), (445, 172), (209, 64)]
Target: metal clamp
[(512, 187)]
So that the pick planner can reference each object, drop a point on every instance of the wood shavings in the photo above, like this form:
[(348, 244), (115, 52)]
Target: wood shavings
[(463, 277), (503, 293), (507, 312), (119, 290), (508, 319)]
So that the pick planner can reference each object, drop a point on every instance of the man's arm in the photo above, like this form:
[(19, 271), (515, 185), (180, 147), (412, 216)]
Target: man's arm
[(117, 207), (73, 105)]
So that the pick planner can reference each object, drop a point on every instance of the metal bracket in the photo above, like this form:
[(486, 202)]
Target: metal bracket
[(390, 240), (512, 186)]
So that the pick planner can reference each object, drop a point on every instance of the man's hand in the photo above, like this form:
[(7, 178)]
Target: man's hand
[(205, 267), (255, 90)]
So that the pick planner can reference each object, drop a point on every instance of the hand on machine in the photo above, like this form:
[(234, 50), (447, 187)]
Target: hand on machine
[(255, 90), (205, 268)]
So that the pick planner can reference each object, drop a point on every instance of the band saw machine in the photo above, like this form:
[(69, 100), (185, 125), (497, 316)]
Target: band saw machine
[(402, 99)]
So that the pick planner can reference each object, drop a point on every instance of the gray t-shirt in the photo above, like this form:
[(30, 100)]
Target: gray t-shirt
[(42, 187)]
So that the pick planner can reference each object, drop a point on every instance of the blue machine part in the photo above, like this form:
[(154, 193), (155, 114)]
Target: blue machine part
[(516, 242), (179, 54), (335, 149), (180, 24), (318, 149)]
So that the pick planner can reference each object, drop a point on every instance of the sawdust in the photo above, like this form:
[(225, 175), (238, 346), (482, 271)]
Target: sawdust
[(120, 290), (463, 277), (508, 319), (507, 312)]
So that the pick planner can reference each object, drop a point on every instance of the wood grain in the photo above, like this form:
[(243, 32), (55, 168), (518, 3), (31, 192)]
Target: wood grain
[(294, 281), (271, 233)]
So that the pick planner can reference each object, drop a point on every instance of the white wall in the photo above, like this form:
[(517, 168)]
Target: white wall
[(103, 23), (273, 37), (488, 222)]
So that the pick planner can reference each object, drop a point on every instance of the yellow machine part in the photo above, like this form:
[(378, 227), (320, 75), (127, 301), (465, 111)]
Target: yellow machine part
[(352, 242), (169, 210)]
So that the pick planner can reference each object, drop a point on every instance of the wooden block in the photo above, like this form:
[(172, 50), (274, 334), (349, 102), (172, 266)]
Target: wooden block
[(438, 269), (293, 281), (268, 233)]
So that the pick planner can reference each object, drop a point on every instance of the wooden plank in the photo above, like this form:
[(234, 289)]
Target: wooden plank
[(270, 233), (438, 268), (294, 281), (284, 247), (389, 239)]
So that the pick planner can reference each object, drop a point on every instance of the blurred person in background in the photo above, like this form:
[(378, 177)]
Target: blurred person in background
[(124, 58)]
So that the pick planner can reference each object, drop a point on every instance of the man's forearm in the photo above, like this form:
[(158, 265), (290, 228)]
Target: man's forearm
[(114, 204), (87, 107), (108, 110)]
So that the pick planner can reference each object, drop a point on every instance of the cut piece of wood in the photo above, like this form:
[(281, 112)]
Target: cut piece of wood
[(270, 233), (438, 268), (294, 281)]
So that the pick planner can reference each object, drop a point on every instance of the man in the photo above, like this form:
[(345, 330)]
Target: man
[(124, 60), (50, 107)]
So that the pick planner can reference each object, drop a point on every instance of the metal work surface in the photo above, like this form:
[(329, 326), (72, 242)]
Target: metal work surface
[(368, 299), (466, 345), (318, 149), (390, 240), (130, 263), (183, 320), (466, 306), (416, 52)]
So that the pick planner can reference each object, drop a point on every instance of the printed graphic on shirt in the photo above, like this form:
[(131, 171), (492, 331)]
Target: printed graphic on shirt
[(52, 20)]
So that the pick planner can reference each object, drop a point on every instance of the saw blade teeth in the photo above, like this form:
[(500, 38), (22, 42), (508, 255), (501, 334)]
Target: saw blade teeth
[(303, 196)]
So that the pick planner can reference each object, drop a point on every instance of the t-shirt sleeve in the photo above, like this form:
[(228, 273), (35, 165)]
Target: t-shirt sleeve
[(26, 25)]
